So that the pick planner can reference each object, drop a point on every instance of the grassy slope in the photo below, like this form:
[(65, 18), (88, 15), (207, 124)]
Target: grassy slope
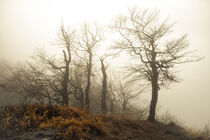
[(76, 124)]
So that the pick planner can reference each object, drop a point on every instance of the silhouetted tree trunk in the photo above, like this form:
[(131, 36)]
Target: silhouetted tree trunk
[(104, 88), (124, 105), (68, 41), (144, 37), (66, 81), (112, 103), (82, 96), (154, 98), (155, 87), (58, 79), (112, 91), (87, 89), (88, 41), (82, 100), (112, 106), (77, 81), (49, 99), (126, 94)]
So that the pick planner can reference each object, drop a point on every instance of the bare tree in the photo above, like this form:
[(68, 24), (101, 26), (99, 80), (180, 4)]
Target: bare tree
[(104, 86), (88, 41), (24, 82), (113, 99), (144, 37), (48, 82), (77, 81), (126, 94), (61, 69)]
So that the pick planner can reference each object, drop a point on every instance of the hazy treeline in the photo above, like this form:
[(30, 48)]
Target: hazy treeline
[(75, 76), (78, 76)]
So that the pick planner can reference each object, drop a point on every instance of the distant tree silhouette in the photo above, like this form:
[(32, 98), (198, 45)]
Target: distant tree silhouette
[(66, 41), (25, 82), (126, 94), (104, 86), (113, 99), (89, 38), (146, 39), (78, 81)]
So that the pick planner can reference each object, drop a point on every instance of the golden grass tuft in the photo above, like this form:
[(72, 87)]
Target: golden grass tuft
[(74, 123)]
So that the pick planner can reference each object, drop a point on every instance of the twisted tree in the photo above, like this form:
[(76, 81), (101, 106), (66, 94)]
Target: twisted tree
[(146, 39), (66, 41), (104, 86)]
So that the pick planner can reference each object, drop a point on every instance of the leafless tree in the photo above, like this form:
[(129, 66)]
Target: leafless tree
[(146, 39), (126, 94), (49, 82), (66, 42), (89, 39), (104, 86), (25, 83), (77, 81), (113, 98)]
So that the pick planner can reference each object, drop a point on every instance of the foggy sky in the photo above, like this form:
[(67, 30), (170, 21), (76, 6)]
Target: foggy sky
[(27, 24)]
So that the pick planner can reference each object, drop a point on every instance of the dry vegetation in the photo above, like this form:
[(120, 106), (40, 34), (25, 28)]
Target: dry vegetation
[(70, 77), (72, 123)]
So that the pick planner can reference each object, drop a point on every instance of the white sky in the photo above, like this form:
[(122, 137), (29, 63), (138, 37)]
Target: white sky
[(26, 24)]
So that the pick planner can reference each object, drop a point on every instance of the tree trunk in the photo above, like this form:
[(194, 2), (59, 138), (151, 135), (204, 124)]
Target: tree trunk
[(112, 106), (65, 97), (87, 89), (153, 102), (49, 100), (104, 89), (82, 101), (124, 106), (67, 60), (87, 100), (154, 83)]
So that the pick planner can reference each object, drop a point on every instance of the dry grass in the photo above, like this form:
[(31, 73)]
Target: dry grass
[(74, 124), (192, 133), (203, 133)]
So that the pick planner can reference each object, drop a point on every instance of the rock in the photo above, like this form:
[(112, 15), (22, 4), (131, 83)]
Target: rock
[(48, 134)]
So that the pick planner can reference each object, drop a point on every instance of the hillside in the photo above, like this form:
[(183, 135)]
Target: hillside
[(33, 122)]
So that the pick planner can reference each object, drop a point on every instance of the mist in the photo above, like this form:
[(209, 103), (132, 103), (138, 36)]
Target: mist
[(28, 24)]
